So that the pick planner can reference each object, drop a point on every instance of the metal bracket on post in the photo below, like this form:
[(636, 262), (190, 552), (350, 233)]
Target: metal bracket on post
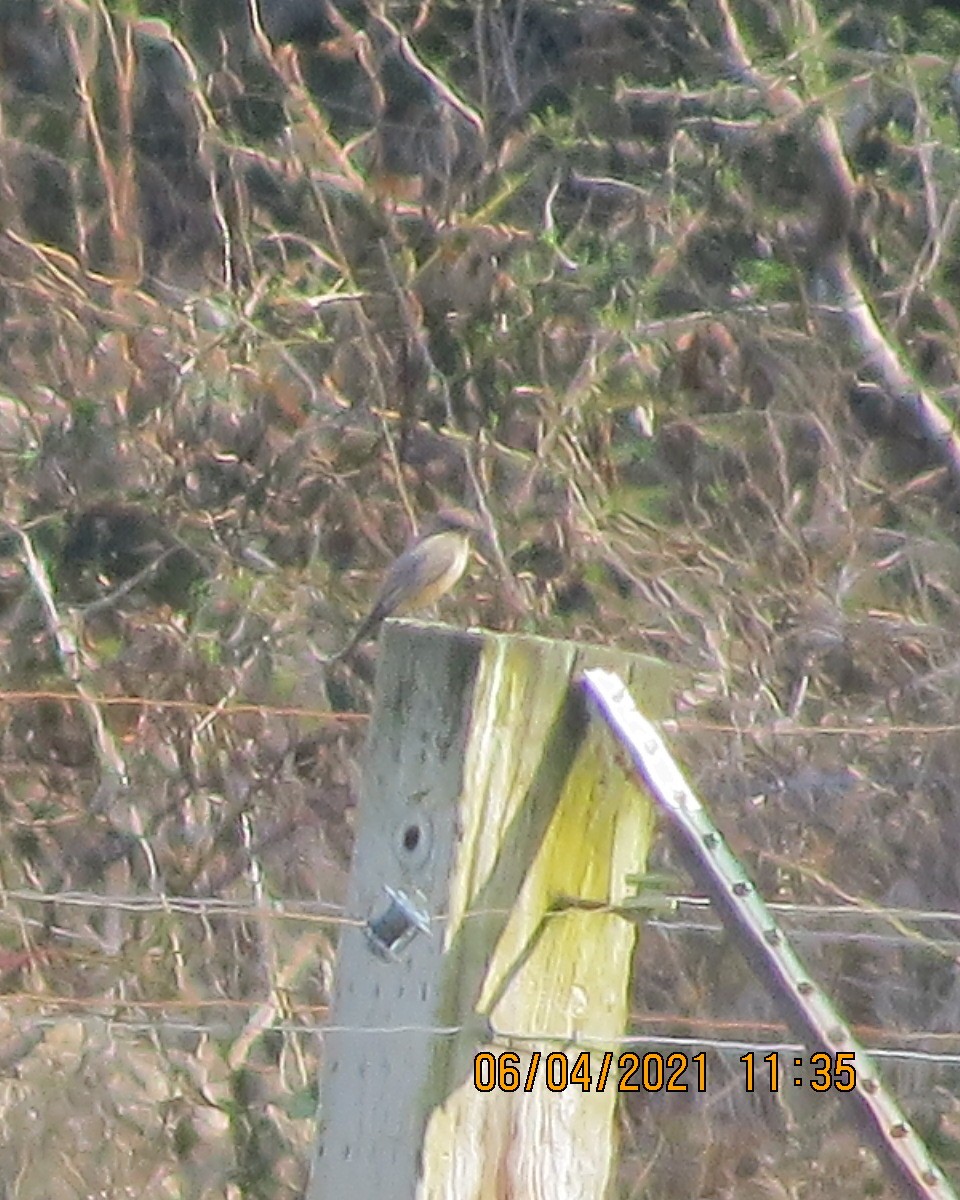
[(394, 929)]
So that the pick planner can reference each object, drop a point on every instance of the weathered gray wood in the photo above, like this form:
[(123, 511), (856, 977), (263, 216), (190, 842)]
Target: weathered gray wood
[(487, 793)]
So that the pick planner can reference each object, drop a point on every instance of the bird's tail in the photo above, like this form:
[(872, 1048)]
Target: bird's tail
[(367, 628)]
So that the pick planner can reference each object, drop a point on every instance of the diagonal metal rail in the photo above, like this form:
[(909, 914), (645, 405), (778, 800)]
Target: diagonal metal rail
[(745, 915)]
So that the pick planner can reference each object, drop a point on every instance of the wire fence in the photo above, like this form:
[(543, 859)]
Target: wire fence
[(141, 960)]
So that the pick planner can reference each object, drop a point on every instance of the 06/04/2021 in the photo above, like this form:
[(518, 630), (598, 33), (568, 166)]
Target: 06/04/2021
[(629, 1071)]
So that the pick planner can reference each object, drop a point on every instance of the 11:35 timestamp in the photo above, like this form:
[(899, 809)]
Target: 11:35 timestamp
[(630, 1071), (821, 1072)]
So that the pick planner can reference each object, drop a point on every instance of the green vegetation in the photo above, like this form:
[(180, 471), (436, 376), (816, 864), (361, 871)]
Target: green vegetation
[(570, 264)]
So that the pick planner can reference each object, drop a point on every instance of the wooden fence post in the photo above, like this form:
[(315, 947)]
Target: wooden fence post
[(491, 800)]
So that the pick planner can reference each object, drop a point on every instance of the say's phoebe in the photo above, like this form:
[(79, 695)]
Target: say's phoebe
[(423, 573)]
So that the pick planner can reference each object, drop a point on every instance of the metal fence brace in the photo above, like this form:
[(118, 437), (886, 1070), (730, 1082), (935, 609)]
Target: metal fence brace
[(716, 869)]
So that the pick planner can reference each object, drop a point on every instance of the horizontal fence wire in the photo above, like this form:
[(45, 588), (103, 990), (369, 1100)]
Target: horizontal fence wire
[(671, 725), (776, 1041), (892, 1044), (679, 915), (327, 913)]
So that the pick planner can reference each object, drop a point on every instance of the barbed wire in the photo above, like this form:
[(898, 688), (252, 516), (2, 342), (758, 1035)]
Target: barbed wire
[(302, 1017), (234, 708), (330, 913), (669, 724), (770, 1036), (306, 1019)]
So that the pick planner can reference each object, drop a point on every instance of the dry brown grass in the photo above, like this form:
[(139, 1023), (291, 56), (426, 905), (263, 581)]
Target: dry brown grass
[(236, 366)]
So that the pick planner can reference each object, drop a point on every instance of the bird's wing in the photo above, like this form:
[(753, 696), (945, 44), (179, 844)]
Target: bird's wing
[(417, 570)]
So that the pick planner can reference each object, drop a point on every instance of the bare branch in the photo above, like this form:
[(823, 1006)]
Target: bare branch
[(834, 278), (113, 769)]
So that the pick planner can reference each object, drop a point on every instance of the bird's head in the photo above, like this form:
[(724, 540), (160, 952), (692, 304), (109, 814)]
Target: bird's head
[(455, 519)]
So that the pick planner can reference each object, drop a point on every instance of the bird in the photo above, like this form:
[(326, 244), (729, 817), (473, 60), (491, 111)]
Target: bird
[(424, 572)]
